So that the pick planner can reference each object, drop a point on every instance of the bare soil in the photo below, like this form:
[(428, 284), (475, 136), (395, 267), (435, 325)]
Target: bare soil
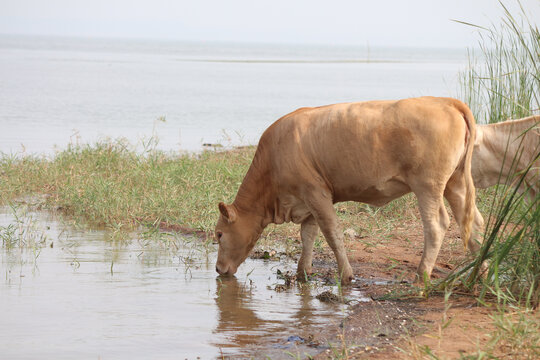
[(398, 327)]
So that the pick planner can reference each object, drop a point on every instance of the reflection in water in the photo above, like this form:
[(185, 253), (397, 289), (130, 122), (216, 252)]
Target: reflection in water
[(235, 317), (75, 293), (260, 328)]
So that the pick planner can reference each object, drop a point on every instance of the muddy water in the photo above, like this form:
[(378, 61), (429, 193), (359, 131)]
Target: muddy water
[(75, 293)]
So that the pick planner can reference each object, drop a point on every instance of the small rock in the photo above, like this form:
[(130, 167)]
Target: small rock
[(350, 233)]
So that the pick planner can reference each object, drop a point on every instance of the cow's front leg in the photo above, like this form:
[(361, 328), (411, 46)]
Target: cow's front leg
[(308, 232), (322, 209)]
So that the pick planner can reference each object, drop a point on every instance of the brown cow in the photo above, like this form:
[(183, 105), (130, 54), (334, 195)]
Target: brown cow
[(372, 152), (504, 150)]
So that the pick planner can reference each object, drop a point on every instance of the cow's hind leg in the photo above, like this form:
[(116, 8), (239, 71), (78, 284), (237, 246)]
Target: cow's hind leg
[(308, 232), (435, 221), (322, 209), (455, 194)]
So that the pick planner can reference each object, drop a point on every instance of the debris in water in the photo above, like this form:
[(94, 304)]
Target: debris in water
[(296, 339), (329, 296), (287, 276), (266, 255)]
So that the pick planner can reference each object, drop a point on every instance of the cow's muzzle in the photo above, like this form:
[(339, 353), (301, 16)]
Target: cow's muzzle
[(227, 269), (221, 270)]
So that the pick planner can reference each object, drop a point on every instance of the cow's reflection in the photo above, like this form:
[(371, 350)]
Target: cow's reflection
[(236, 317), (241, 325)]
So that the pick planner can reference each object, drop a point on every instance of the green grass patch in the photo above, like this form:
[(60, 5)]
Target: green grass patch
[(109, 184)]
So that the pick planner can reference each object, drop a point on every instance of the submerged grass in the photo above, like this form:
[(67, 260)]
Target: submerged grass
[(21, 233)]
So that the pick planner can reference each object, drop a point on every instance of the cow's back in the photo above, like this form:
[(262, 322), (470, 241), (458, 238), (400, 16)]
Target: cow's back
[(368, 151)]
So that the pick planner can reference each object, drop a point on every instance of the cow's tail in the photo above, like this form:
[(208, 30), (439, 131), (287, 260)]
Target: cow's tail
[(470, 194)]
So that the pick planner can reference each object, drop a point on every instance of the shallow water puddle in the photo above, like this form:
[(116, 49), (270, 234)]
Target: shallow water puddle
[(73, 293)]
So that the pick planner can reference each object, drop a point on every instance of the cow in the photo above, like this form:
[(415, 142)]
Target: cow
[(504, 150), (371, 152)]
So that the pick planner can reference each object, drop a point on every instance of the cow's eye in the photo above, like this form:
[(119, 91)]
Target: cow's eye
[(219, 234)]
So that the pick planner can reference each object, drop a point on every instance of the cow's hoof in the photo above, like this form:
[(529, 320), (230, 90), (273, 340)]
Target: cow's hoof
[(421, 280), (347, 277), (303, 275)]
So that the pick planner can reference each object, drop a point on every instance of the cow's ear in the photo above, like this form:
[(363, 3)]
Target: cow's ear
[(228, 212)]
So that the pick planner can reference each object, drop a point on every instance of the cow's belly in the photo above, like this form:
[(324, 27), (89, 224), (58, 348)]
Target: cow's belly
[(377, 195), (293, 209)]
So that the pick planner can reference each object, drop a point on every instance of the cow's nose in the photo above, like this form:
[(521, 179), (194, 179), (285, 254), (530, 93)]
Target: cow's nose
[(221, 272)]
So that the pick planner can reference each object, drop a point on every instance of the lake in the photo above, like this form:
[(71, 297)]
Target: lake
[(56, 91)]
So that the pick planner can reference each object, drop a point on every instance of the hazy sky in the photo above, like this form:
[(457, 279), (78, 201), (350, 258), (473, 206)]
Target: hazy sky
[(379, 22)]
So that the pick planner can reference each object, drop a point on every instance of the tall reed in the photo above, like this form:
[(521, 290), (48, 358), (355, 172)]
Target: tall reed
[(503, 83)]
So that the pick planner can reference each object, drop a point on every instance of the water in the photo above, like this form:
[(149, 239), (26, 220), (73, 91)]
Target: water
[(90, 297), (54, 91)]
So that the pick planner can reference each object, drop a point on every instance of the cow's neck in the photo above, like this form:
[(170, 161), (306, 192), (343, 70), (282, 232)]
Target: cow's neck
[(508, 135), (504, 141), (256, 193)]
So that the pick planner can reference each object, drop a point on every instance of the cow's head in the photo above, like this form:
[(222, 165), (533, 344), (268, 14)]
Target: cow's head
[(236, 234)]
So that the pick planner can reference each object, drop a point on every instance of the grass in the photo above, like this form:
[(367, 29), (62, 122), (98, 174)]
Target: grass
[(22, 232), (502, 82), (109, 184), (508, 84), (516, 336)]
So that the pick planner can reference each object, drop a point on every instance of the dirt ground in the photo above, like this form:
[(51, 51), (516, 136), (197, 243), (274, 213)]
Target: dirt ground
[(398, 328), (406, 327)]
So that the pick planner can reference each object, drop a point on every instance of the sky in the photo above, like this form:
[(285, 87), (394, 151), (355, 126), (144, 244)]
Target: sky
[(412, 23)]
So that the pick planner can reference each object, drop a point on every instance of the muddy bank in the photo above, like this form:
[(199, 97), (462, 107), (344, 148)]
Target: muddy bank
[(374, 326), (396, 322)]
